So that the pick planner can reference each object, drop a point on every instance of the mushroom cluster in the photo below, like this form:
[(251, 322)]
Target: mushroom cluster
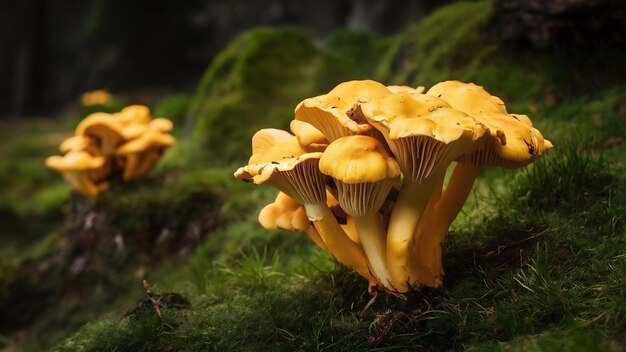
[(129, 143), (363, 172), (96, 97)]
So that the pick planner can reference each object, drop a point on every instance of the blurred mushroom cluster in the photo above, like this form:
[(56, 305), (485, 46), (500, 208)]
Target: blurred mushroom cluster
[(362, 172), (126, 143), (96, 97)]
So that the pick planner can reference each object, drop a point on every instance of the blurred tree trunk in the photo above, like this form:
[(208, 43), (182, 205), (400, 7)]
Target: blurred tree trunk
[(29, 39)]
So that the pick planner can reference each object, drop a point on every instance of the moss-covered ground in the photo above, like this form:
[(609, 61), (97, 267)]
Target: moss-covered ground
[(535, 262)]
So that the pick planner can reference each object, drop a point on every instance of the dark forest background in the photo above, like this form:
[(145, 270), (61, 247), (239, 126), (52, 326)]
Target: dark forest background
[(53, 50)]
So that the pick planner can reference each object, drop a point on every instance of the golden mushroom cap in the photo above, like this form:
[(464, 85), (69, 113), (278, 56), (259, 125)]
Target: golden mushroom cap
[(422, 131), (511, 141), (284, 202), (346, 94), (403, 115), (76, 167), (132, 114), (106, 131), (95, 97), (520, 140), (406, 89), (267, 216), (299, 177), (522, 118), (308, 136), (134, 119), (162, 124), (295, 220), (444, 124), (75, 143), (363, 170), (271, 144), (98, 119), (335, 114), (261, 172), (151, 139), (358, 159), (75, 161), (381, 112), (134, 130), (472, 99), (284, 213)]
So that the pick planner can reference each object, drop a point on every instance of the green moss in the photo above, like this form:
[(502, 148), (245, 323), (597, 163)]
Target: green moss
[(152, 206), (231, 323), (254, 83), (556, 183), (595, 119), (32, 196), (430, 51), (48, 201), (458, 42), (8, 273), (173, 107), (574, 339), (351, 55)]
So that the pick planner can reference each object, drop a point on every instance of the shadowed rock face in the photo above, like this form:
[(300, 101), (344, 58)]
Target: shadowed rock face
[(54, 50), (543, 23)]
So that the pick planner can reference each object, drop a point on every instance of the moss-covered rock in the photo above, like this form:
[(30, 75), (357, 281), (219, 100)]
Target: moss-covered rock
[(351, 55), (174, 107), (459, 41), (175, 203), (455, 42), (254, 83)]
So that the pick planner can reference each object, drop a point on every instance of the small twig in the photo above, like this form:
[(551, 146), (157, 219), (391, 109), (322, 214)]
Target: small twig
[(154, 302), (369, 304), (385, 322)]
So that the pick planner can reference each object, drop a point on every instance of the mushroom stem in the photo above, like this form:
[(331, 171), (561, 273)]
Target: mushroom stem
[(454, 196), (148, 160), (445, 211), (315, 236), (102, 174), (130, 166), (372, 234), (418, 266), (139, 164), (80, 181), (108, 144), (405, 218), (427, 218), (350, 229), (336, 240)]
